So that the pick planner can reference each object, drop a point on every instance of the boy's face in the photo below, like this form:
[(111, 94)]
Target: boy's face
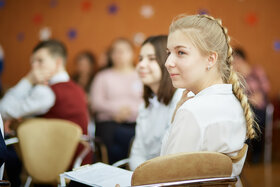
[(43, 61)]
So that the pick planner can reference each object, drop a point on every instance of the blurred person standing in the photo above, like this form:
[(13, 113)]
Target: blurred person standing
[(86, 66), (115, 97)]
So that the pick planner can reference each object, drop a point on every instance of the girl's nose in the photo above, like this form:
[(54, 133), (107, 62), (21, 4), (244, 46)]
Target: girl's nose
[(170, 62)]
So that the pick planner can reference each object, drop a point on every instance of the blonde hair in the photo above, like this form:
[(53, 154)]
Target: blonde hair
[(209, 35)]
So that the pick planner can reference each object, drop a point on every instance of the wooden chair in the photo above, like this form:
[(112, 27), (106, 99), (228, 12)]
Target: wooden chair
[(48, 147), (185, 169), (100, 150)]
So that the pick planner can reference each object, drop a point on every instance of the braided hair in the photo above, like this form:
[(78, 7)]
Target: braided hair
[(209, 35)]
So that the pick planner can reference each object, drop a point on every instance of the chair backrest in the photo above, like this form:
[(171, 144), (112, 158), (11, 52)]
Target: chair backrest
[(47, 147), (181, 167)]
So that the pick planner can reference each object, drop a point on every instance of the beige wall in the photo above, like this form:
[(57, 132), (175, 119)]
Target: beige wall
[(96, 28)]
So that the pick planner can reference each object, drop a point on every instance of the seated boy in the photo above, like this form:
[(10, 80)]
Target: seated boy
[(47, 90)]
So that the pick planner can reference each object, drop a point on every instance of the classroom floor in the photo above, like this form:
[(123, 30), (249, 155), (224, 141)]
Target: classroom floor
[(261, 175)]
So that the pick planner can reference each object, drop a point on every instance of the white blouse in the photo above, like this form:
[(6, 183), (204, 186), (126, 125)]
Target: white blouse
[(152, 123), (211, 121)]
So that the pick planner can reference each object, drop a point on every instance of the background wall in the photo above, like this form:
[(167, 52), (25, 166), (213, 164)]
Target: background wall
[(93, 24)]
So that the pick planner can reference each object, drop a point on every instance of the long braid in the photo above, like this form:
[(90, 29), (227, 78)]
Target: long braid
[(231, 77)]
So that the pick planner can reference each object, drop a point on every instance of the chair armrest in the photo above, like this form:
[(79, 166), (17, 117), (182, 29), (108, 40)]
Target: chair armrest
[(11, 141), (121, 162), (196, 182), (84, 152)]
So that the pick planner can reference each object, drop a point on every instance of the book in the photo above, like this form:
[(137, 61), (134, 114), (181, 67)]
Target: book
[(99, 175)]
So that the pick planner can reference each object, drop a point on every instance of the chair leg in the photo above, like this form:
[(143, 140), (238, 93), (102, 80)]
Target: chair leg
[(28, 181)]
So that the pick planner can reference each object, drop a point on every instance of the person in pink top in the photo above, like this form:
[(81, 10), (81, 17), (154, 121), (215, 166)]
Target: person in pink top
[(115, 96)]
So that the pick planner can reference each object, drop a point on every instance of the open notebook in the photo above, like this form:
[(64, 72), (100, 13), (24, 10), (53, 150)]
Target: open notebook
[(99, 174)]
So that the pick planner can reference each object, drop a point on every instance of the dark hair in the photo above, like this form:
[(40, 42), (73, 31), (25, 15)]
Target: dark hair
[(93, 62), (239, 52), (111, 49), (166, 89), (55, 47), (88, 55)]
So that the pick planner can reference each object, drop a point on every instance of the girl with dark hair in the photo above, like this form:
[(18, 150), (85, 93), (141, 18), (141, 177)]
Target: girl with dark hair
[(85, 68), (160, 101)]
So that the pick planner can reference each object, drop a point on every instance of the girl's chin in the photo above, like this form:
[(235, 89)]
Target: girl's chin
[(177, 84)]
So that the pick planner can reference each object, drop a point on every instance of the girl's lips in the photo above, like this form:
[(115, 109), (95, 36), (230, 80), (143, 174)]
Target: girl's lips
[(142, 74), (173, 74)]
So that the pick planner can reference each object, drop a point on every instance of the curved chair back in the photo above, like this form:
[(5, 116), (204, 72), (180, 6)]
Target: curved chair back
[(182, 167), (47, 147)]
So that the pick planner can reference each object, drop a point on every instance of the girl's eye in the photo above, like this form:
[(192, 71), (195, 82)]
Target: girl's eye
[(181, 53), (168, 53), (40, 61), (140, 59)]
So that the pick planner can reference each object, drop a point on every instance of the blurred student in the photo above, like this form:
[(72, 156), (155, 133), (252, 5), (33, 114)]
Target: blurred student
[(115, 97), (257, 89), (85, 69), (85, 64), (218, 118), (47, 91), (160, 101)]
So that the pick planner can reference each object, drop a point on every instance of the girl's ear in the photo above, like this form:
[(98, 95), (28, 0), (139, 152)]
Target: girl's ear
[(212, 59)]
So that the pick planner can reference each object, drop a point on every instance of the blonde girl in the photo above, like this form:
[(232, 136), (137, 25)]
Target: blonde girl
[(218, 118)]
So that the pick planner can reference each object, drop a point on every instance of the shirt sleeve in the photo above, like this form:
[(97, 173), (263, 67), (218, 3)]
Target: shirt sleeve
[(25, 100), (138, 150), (184, 135)]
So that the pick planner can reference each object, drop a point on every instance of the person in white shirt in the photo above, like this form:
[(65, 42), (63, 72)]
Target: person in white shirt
[(32, 95), (160, 101), (218, 118)]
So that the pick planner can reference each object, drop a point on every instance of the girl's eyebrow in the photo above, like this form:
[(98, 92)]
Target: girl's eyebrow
[(178, 47)]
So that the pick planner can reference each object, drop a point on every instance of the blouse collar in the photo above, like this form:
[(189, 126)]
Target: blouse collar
[(216, 89), (154, 101)]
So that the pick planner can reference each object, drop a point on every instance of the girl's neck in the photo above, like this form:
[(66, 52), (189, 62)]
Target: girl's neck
[(124, 69), (154, 88)]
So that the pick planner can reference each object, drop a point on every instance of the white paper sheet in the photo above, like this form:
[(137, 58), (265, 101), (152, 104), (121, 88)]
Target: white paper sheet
[(100, 174)]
